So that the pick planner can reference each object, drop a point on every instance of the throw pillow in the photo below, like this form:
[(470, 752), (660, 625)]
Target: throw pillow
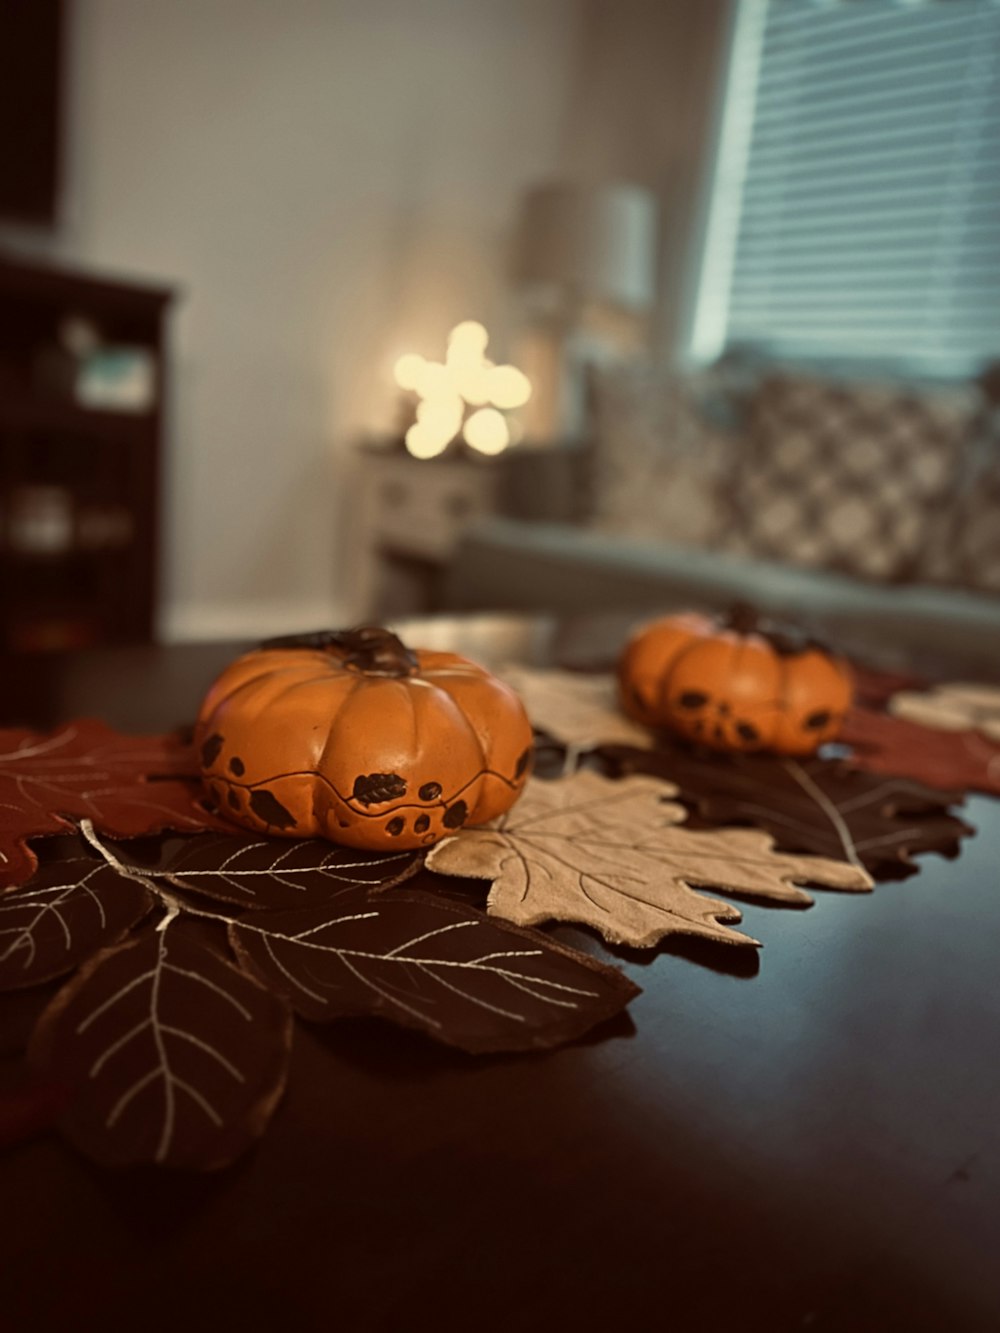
[(658, 464), (848, 476)]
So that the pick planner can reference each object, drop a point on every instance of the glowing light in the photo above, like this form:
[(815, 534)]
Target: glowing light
[(486, 431), (468, 338), (424, 442), (441, 416), (408, 371), (507, 387), (435, 381)]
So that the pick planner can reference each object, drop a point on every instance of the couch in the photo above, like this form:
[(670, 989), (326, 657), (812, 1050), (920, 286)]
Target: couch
[(868, 508)]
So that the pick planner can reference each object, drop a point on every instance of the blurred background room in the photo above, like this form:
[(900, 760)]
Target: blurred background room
[(340, 310)]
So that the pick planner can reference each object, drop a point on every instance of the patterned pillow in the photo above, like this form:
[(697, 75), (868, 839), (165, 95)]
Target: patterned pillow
[(848, 477), (658, 466)]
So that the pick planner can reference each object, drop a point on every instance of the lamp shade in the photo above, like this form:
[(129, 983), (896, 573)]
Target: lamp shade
[(592, 243)]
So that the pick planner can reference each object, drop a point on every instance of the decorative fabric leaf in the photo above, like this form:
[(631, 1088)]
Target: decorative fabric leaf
[(67, 911), (579, 710), (269, 873), (950, 760), (952, 707), (86, 770), (174, 1056), (610, 854), (433, 964), (808, 805)]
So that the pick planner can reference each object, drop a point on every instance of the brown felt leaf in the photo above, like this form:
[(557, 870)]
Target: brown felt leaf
[(268, 873), (68, 910), (610, 854), (86, 770), (434, 964), (808, 805), (173, 1056), (952, 707), (579, 710), (950, 760)]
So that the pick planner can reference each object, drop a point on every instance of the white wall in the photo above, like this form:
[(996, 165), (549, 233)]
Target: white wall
[(329, 182)]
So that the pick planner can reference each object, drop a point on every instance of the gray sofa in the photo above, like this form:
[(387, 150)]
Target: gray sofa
[(548, 555)]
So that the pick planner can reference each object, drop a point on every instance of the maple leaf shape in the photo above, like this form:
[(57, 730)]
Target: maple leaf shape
[(955, 706), (174, 1055), (87, 770), (610, 854), (949, 760), (808, 805), (579, 710)]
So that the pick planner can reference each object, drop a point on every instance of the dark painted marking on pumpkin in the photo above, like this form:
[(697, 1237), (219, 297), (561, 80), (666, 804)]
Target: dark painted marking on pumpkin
[(269, 809), (724, 710), (210, 750), (395, 826), (816, 720), (430, 837), (698, 727), (718, 733), (233, 799), (343, 823), (237, 766), (456, 815), (523, 763), (747, 731), (421, 824), (692, 699), (377, 788), (430, 791), (217, 793)]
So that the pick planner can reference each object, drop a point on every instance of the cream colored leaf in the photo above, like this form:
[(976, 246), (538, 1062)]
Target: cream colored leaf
[(952, 707), (576, 709), (612, 854)]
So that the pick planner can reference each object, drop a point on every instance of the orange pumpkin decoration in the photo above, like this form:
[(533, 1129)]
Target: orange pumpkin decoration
[(353, 737), (733, 686)]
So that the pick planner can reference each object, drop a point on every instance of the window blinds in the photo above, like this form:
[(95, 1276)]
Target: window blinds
[(864, 217)]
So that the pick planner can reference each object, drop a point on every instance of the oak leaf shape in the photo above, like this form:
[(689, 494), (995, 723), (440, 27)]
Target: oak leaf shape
[(173, 1055), (610, 854), (430, 963), (949, 760), (87, 770), (67, 911), (955, 706), (815, 805), (578, 709)]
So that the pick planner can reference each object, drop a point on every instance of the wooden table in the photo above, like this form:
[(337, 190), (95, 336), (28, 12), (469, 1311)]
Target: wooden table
[(804, 1139)]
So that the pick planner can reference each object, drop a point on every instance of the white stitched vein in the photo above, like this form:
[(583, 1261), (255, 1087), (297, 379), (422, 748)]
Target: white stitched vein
[(129, 986), (367, 981), (196, 1097), (101, 1060), (133, 1091), (321, 999), (829, 809), (519, 983), (337, 921), (473, 999), (428, 935), (206, 1047), (196, 976)]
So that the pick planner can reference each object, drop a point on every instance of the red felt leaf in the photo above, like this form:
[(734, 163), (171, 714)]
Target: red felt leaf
[(87, 770), (956, 760)]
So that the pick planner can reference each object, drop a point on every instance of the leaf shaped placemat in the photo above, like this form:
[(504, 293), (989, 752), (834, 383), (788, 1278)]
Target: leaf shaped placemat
[(808, 805), (434, 964), (174, 1056), (952, 707), (268, 873), (69, 910), (86, 770), (579, 710), (609, 854), (950, 760)]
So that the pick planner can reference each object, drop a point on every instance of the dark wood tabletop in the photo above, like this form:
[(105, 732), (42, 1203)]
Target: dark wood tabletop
[(806, 1138)]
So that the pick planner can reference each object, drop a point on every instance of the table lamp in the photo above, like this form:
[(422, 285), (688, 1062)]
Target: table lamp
[(585, 263)]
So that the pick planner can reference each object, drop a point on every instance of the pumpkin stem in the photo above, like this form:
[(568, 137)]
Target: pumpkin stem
[(742, 617), (369, 648)]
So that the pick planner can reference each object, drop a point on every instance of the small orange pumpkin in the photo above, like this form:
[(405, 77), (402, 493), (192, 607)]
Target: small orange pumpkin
[(733, 686), (353, 737)]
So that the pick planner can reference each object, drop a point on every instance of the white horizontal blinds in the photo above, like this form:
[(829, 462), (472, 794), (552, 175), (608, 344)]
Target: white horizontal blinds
[(869, 219)]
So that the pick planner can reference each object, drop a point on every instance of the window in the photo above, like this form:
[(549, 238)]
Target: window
[(855, 210)]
